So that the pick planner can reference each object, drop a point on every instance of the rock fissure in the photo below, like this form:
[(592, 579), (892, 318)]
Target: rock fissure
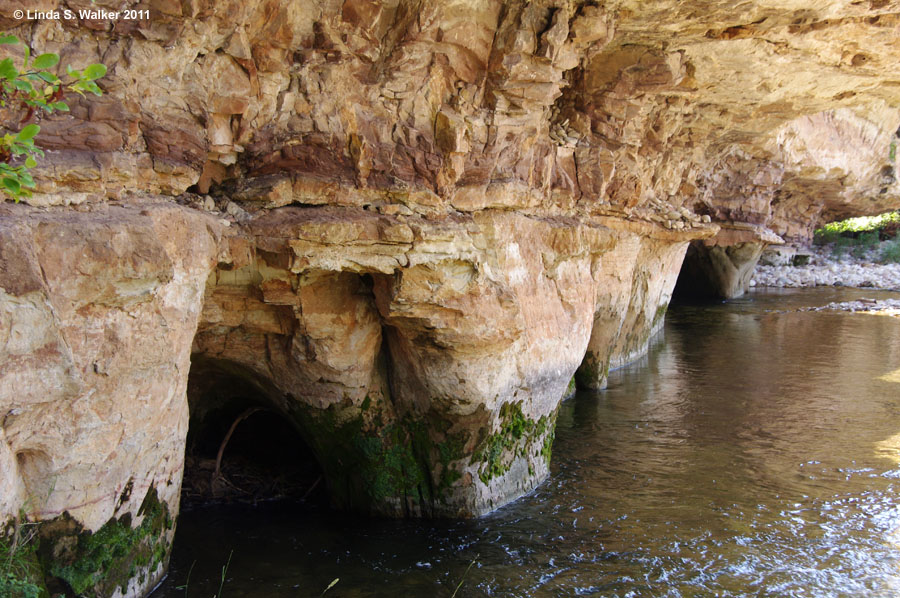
[(404, 226)]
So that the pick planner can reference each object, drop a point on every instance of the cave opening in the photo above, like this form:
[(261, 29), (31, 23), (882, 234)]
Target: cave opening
[(695, 283), (242, 447), (713, 273)]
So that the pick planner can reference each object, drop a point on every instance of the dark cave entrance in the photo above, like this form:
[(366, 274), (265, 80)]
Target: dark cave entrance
[(716, 272), (241, 447), (695, 283)]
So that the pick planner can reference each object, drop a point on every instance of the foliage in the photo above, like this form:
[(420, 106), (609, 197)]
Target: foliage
[(114, 554), (19, 574), (854, 227), (840, 246), (28, 90), (331, 585), (890, 252), (865, 242)]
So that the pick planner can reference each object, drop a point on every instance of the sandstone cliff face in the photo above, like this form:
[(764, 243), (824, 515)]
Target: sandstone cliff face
[(98, 312), (405, 224), (764, 113), (442, 346)]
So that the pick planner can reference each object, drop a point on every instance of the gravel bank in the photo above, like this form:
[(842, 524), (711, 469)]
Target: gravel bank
[(826, 270)]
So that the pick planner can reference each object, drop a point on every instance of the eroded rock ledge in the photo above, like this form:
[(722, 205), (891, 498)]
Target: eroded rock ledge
[(420, 220), (422, 358)]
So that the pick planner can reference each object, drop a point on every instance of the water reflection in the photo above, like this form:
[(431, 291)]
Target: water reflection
[(755, 452)]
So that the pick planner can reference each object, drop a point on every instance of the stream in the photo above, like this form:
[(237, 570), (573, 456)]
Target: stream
[(755, 451)]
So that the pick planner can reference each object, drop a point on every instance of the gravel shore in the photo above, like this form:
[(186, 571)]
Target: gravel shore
[(824, 269)]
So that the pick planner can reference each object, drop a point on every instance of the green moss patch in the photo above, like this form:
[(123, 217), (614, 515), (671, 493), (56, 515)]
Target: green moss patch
[(592, 371), (96, 563), (660, 314), (368, 458), (377, 462), (516, 438)]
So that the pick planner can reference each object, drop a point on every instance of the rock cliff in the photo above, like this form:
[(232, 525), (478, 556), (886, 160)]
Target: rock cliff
[(406, 224)]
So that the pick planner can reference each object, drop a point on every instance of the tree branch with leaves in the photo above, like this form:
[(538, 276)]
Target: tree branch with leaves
[(29, 90)]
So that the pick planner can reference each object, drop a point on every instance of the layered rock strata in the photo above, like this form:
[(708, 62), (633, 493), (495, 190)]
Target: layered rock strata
[(415, 222), (424, 359)]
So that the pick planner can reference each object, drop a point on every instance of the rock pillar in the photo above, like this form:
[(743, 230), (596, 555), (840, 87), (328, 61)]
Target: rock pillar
[(97, 313), (722, 266), (637, 278)]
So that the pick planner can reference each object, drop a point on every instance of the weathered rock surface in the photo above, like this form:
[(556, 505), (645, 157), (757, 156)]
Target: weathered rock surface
[(430, 353), (97, 313), (723, 265), (416, 221), (776, 115)]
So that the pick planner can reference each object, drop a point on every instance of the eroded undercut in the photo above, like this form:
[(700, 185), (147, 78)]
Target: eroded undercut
[(241, 445)]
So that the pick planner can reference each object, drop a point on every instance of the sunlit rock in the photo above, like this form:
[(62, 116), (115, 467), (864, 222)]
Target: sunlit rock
[(405, 225)]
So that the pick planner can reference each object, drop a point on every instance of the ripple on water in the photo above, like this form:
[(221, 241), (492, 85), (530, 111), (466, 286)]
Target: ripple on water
[(754, 452)]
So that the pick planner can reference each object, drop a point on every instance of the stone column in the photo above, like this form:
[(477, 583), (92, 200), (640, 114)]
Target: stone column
[(97, 313), (638, 276), (722, 266)]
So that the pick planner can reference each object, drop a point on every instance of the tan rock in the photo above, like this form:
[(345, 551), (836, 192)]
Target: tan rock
[(98, 309), (488, 196)]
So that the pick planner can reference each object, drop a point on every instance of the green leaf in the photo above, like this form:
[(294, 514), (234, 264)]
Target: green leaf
[(72, 72), (23, 85), (45, 61), (25, 180), (8, 70), (30, 162), (93, 88), (28, 132), (332, 584), (9, 39), (12, 185), (22, 147), (48, 77), (61, 106), (94, 71), (27, 55)]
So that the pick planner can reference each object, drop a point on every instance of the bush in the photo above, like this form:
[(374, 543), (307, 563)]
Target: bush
[(840, 246), (27, 91), (854, 227), (824, 236), (864, 243), (890, 252), (18, 568)]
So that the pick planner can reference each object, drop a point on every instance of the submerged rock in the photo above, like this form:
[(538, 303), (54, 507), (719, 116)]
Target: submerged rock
[(404, 226)]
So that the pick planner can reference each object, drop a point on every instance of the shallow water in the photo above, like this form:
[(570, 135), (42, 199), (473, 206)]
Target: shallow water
[(753, 452)]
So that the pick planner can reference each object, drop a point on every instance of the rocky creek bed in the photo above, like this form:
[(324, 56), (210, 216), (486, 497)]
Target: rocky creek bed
[(826, 269)]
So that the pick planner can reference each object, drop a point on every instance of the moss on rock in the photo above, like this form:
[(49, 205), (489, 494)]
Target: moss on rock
[(517, 437), (84, 563), (377, 462), (592, 372), (366, 454)]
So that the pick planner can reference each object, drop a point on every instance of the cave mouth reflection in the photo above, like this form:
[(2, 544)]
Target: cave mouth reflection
[(241, 448)]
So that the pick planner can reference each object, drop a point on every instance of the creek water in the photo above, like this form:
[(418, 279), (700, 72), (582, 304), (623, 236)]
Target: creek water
[(753, 452)]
